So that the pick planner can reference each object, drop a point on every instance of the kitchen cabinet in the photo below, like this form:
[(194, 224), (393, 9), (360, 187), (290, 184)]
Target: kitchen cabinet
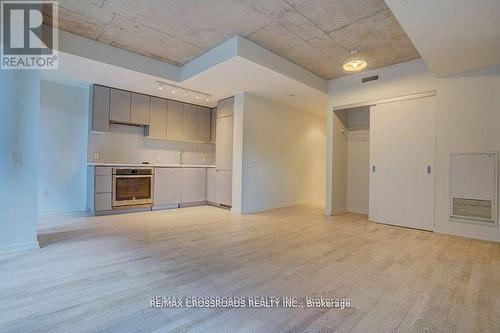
[(102, 202), (213, 124), (119, 106), (203, 124), (225, 107), (174, 120), (139, 109), (100, 108), (224, 148), (189, 121), (193, 185), (167, 186), (103, 184), (224, 188), (99, 189), (157, 118), (211, 185)]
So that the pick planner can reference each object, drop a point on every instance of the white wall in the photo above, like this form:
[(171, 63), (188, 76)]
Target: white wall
[(339, 137), (283, 159), (358, 166), (19, 108), (467, 120), (62, 148)]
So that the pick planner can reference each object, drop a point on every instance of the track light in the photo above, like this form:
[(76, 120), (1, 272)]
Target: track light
[(187, 92)]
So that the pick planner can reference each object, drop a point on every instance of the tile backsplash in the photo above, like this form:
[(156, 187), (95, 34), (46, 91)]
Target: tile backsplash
[(127, 144)]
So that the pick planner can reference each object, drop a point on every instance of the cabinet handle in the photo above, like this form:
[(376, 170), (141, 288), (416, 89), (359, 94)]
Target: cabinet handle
[(373, 168), (429, 169)]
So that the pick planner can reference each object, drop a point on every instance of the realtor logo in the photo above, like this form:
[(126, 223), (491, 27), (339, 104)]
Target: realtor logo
[(26, 42)]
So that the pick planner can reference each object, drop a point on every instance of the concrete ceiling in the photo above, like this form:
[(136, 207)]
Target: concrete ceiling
[(314, 34), (453, 36)]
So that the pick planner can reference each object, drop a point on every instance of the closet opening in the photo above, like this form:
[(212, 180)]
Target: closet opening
[(352, 155)]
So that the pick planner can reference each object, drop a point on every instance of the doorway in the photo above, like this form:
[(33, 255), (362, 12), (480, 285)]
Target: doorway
[(384, 159)]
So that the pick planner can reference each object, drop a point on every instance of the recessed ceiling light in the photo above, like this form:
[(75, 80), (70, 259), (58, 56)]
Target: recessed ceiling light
[(197, 97), (173, 90), (185, 93), (160, 86), (355, 63), (208, 99)]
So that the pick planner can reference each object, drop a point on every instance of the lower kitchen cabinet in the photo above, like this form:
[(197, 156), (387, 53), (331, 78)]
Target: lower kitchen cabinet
[(99, 189), (211, 185), (167, 186), (193, 185), (102, 202), (224, 189)]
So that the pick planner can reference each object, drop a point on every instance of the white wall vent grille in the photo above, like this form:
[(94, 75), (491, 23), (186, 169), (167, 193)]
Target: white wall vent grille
[(476, 209), (473, 187)]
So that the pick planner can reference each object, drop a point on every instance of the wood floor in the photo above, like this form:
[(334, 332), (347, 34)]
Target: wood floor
[(98, 273)]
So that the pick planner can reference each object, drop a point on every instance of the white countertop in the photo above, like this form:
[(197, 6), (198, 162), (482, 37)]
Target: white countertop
[(150, 165)]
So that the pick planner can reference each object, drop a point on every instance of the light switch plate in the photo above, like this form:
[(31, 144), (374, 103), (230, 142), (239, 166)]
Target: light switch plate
[(16, 160), (97, 156), (158, 157)]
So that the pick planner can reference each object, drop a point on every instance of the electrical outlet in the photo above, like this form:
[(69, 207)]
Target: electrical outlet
[(97, 156), (45, 194), (158, 157)]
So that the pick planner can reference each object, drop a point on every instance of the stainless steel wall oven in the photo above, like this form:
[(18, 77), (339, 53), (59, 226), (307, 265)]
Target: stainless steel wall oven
[(132, 187)]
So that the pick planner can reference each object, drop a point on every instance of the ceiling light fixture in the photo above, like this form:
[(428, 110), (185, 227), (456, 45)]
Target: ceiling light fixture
[(354, 64), (187, 92)]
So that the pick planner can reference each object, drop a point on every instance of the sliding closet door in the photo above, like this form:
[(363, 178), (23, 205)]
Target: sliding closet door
[(402, 154)]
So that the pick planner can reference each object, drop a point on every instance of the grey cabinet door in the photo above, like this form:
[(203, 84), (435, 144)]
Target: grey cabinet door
[(211, 185), (193, 184), (168, 186), (224, 147), (213, 125), (139, 109), (174, 120), (224, 188), (158, 118), (203, 124), (225, 107), (100, 108), (189, 121), (102, 201), (119, 106)]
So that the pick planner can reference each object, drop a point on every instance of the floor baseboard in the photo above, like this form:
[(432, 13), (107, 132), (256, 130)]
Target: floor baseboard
[(25, 246)]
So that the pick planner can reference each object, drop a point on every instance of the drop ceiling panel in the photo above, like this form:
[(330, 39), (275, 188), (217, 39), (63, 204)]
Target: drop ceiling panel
[(453, 36)]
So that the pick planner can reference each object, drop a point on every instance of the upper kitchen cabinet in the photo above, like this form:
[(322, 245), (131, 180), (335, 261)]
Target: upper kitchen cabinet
[(203, 124), (139, 109), (119, 106), (174, 120), (189, 121), (157, 118), (100, 108), (213, 125), (225, 107)]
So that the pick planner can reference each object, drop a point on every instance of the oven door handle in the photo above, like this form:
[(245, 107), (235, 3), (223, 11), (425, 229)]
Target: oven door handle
[(133, 176)]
